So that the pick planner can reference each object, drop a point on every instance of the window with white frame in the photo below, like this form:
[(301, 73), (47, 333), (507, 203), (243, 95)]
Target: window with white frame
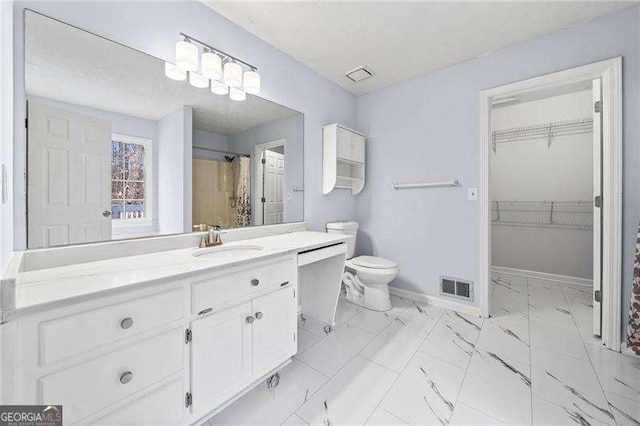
[(131, 180)]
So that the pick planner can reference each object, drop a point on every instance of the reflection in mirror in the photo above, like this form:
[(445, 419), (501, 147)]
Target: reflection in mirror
[(118, 150)]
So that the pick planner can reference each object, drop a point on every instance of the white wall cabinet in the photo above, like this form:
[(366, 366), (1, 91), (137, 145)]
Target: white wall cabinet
[(159, 354), (343, 159)]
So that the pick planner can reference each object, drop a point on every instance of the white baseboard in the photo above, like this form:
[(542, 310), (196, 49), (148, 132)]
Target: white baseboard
[(543, 276), (436, 301)]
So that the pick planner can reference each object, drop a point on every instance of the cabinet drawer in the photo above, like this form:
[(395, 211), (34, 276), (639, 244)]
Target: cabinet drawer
[(96, 384), (162, 406), (65, 337), (219, 290)]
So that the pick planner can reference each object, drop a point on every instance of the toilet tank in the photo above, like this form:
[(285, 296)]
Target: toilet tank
[(345, 228)]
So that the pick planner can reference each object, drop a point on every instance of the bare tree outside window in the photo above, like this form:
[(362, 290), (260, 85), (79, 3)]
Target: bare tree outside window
[(128, 175)]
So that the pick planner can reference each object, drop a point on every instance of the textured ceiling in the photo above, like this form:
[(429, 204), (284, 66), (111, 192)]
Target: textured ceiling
[(399, 40), (70, 65)]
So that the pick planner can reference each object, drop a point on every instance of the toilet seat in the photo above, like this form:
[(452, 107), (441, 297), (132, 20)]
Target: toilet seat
[(373, 262)]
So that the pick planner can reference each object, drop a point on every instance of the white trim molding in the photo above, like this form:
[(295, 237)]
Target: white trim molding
[(543, 276), (436, 301), (610, 71)]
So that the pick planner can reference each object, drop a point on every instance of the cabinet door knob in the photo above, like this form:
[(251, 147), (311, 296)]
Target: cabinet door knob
[(259, 315), (255, 282), (250, 319), (126, 377), (106, 213), (126, 323)]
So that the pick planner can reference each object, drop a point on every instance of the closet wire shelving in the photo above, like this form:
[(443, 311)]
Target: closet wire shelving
[(546, 214), (545, 130)]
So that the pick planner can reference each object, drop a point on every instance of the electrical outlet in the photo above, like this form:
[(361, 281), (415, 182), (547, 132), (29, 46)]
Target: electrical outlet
[(472, 194)]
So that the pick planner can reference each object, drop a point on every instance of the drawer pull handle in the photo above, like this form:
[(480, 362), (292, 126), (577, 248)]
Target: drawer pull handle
[(126, 377), (284, 284), (126, 323), (250, 319), (259, 315), (255, 282)]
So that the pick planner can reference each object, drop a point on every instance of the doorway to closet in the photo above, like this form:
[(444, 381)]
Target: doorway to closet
[(551, 205)]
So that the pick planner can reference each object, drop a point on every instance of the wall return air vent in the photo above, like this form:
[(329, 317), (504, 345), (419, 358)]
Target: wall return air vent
[(456, 287)]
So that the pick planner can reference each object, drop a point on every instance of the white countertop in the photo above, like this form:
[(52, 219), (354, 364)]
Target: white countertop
[(39, 288)]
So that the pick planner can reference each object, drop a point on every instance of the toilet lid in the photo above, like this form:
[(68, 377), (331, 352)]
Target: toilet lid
[(374, 262)]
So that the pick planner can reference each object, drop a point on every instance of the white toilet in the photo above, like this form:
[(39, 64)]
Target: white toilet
[(366, 278)]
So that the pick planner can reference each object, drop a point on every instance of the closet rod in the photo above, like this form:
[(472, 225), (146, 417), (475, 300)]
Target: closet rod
[(222, 151)]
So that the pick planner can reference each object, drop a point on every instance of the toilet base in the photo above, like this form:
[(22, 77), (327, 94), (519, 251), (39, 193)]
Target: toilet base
[(374, 297)]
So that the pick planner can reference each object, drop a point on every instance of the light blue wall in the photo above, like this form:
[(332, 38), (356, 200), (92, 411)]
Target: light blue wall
[(120, 123), (428, 128), (175, 135), (292, 130), (210, 140), (153, 27)]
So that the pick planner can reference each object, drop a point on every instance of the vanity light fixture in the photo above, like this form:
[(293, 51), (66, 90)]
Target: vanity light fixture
[(219, 88), (225, 71), (237, 94), (198, 80), (187, 55), (174, 72)]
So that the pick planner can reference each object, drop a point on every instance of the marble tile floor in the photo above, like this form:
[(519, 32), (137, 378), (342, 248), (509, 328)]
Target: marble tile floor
[(533, 362)]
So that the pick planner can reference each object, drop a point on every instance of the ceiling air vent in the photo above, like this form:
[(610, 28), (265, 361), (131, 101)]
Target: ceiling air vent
[(456, 287), (359, 74)]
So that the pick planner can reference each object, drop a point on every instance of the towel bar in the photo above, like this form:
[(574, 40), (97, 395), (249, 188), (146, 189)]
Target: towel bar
[(454, 182)]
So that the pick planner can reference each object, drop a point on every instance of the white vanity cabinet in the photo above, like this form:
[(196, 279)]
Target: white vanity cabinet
[(234, 347), (174, 352), (343, 159)]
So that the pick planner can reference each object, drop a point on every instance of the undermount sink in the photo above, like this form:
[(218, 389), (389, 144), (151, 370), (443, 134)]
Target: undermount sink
[(227, 252)]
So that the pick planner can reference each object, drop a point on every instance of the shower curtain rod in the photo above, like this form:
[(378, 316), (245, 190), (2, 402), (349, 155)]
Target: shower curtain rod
[(222, 151)]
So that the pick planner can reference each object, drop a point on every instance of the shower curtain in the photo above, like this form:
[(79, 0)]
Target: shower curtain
[(633, 332), (242, 180)]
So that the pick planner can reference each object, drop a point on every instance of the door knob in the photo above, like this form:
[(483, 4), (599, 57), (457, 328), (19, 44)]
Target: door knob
[(250, 319), (259, 315), (126, 377), (255, 282), (106, 213)]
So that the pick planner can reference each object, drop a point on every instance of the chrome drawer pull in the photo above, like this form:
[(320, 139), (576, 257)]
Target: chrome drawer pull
[(126, 377), (126, 323), (250, 319), (255, 282), (259, 315)]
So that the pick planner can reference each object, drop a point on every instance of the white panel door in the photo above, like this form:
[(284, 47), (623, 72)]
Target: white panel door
[(274, 174), (599, 198), (69, 177), (220, 356), (274, 329)]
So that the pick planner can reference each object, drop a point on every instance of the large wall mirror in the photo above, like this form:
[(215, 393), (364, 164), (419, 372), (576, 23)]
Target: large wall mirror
[(118, 150)]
